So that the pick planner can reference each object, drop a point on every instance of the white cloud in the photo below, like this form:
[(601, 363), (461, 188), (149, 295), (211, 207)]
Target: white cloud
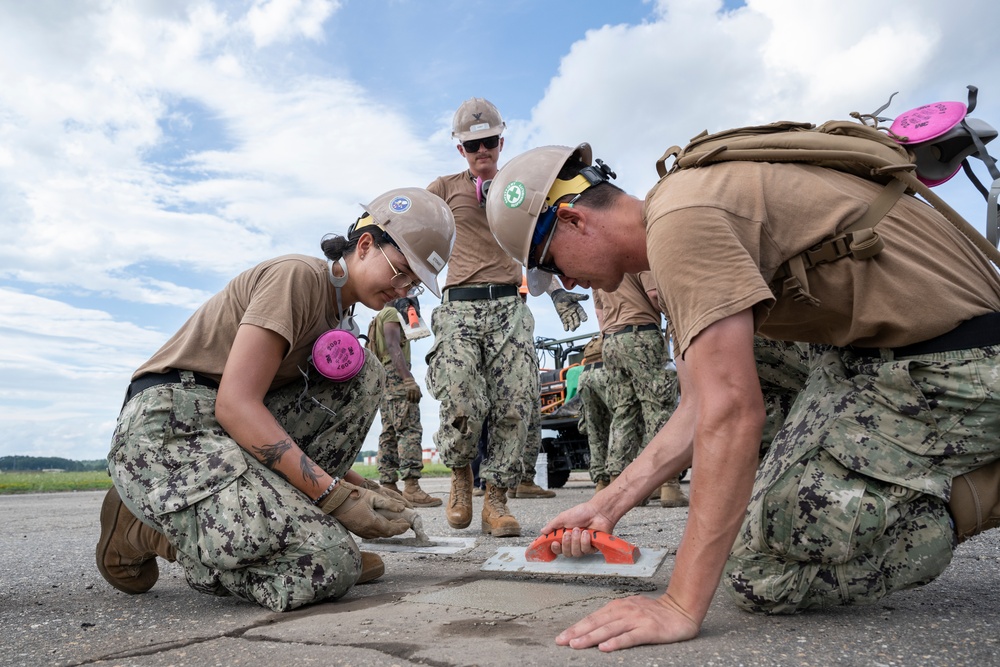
[(632, 91), (271, 21), (150, 151)]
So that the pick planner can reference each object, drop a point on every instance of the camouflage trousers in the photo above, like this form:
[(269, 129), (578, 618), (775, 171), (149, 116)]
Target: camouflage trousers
[(606, 458), (850, 502), (533, 443), (238, 526), (642, 393), (782, 368), (400, 449), (483, 365)]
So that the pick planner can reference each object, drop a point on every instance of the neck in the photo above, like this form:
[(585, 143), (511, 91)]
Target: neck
[(632, 236), (485, 174)]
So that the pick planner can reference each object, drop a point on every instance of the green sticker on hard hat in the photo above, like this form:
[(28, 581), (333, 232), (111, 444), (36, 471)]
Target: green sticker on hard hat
[(513, 194)]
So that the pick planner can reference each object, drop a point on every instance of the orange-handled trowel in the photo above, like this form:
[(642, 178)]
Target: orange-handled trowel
[(615, 557)]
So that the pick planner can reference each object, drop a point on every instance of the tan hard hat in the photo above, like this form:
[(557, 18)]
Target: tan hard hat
[(475, 119), (523, 188), (423, 227)]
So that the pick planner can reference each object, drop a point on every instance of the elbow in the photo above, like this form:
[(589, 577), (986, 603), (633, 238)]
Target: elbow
[(225, 410)]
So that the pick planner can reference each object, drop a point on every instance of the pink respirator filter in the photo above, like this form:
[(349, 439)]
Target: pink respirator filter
[(338, 355), (925, 123)]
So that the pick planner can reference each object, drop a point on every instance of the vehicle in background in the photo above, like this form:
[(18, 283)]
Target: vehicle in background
[(564, 445)]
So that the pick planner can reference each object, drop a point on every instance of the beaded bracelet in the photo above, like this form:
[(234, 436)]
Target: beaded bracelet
[(329, 490)]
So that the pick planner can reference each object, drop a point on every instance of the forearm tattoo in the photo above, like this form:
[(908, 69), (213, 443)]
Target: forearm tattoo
[(310, 471), (270, 455)]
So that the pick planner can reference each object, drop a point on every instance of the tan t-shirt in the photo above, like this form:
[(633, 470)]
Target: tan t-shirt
[(290, 295), (377, 339), (716, 236), (627, 305), (477, 257)]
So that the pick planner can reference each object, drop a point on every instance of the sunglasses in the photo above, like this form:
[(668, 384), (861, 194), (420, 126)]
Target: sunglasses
[(472, 145), (401, 281), (544, 231)]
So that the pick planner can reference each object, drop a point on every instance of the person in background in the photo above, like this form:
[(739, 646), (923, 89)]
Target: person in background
[(482, 366), (233, 450), (642, 391), (400, 448), (595, 417), (526, 487)]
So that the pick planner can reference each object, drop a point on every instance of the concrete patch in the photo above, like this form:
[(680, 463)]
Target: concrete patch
[(506, 597)]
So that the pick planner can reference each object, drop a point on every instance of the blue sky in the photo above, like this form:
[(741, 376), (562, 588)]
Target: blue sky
[(150, 150)]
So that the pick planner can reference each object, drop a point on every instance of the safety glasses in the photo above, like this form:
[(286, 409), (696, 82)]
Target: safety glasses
[(545, 229), (472, 145), (401, 281)]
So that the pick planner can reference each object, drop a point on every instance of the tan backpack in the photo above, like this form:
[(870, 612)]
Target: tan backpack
[(848, 146)]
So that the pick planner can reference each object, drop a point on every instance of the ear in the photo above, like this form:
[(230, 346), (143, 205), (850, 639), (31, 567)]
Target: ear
[(461, 150), (574, 217), (365, 244)]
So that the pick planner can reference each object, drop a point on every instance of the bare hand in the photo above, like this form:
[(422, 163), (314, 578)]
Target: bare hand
[(631, 622), (584, 516)]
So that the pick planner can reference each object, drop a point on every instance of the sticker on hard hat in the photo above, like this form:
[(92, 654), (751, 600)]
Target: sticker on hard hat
[(435, 260), (513, 194), (479, 126), (400, 204)]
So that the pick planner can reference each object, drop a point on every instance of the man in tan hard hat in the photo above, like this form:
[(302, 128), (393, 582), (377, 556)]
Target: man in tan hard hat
[(855, 497), (482, 365)]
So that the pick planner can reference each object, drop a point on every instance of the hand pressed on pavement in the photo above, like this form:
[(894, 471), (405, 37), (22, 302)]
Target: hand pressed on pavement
[(359, 511), (570, 311), (630, 622)]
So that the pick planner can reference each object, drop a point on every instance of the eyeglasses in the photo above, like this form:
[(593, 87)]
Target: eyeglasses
[(472, 145), (400, 280)]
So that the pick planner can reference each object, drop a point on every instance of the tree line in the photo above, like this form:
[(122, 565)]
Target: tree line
[(31, 463)]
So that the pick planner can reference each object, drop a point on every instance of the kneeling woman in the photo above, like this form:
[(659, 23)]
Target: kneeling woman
[(235, 451)]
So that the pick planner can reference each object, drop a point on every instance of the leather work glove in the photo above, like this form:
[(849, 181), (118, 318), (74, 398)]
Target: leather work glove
[(358, 510), (413, 392), (388, 492), (570, 312)]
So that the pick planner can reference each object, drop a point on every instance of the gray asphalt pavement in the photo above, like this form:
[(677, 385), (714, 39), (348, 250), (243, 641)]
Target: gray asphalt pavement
[(441, 610)]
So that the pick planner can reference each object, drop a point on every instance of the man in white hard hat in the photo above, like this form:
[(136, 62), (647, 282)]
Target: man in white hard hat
[(855, 497), (482, 365)]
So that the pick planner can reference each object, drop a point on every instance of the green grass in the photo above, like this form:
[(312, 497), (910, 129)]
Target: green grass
[(40, 482), (44, 482)]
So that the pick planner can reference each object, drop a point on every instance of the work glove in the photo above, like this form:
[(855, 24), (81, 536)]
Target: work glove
[(360, 511), (413, 393), (570, 312), (388, 492)]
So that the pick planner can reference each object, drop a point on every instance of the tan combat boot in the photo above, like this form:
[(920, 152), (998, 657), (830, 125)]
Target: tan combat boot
[(671, 494), (601, 485), (497, 519), (389, 485), (975, 501), (417, 496), (459, 509), (531, 490), (127, 548), (372, 568)]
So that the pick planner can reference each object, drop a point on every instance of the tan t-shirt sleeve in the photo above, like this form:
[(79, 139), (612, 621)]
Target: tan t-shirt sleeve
[(700, 288)]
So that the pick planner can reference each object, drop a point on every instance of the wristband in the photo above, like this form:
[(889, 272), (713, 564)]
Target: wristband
[(329, 489)]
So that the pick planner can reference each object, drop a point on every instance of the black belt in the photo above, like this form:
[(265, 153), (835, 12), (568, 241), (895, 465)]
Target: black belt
[(596, 364), (478, 293), (980, 331), (636, 328), (148, 380)]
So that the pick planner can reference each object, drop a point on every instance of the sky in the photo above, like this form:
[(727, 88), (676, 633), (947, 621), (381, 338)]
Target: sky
[(150, 150)]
